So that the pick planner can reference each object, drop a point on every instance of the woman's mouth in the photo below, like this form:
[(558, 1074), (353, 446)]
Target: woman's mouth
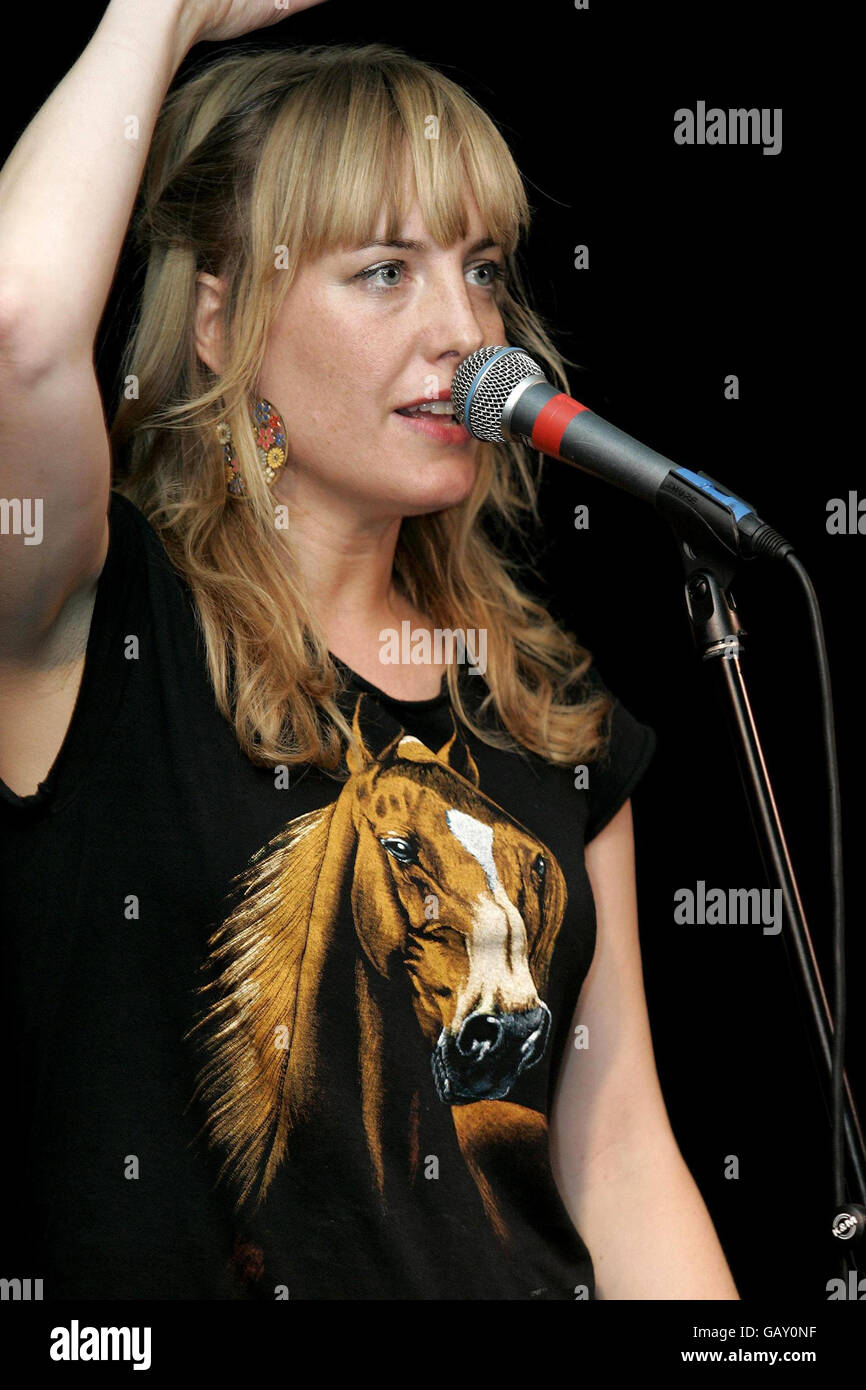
[(439, 426)]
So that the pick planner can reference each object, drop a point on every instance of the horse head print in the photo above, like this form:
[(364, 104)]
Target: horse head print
[(456, 907), (430, 839)]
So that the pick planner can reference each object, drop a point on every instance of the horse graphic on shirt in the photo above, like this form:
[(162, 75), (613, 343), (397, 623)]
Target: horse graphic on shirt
[(447, 891)]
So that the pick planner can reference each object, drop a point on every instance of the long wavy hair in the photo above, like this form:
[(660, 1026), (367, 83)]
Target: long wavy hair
[(260, 160)]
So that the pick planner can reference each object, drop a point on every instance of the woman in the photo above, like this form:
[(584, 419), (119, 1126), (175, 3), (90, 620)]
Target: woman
[(324, 976)]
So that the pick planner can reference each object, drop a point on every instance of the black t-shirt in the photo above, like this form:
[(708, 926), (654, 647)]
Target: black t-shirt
[(274, 1035)]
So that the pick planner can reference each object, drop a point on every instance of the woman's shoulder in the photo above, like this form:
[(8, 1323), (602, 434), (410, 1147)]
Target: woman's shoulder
[(629, 746), (134, 637), (138, 566), (126, 521)]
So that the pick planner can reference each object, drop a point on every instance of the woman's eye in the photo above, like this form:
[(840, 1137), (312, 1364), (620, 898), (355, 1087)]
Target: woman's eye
[(495, 273), (375, 270)]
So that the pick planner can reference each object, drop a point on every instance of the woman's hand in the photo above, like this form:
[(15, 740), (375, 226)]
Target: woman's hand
[(212, 20)]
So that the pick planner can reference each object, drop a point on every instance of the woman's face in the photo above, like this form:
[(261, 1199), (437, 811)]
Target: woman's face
[(362, 333)]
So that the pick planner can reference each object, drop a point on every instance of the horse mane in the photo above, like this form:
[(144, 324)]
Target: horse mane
[(254, 1083)]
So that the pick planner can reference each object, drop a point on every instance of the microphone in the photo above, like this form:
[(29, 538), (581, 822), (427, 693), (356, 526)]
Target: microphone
[(501, 393)]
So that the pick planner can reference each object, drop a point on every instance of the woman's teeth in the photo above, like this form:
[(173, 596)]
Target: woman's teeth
[(428, 408)]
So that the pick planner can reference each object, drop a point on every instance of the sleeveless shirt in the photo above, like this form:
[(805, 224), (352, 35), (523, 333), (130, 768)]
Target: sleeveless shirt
[(271, 1034)]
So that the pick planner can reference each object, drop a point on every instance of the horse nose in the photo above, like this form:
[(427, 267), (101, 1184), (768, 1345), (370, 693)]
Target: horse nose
[(480, 1034), (514, 1040), (488, 1054)]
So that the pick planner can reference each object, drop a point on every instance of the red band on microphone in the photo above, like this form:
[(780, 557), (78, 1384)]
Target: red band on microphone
[(552, 422)]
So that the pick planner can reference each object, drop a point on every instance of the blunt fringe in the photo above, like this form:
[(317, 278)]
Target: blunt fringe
[(303, 149)]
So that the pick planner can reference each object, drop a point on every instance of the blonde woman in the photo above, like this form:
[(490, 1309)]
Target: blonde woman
[(322, 964)]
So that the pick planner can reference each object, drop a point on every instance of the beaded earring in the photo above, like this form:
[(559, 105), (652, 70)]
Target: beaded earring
[(270, 436)]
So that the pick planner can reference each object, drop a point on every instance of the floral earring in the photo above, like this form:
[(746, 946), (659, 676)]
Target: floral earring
[(270, 436)]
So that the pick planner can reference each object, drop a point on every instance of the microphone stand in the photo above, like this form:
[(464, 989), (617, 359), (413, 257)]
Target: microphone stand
[(710, 566)]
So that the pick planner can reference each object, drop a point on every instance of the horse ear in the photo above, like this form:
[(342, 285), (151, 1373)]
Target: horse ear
[(457, 755), (359, 758)]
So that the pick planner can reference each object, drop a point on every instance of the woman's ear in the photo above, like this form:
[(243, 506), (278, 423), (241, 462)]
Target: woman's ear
[(209, 305)]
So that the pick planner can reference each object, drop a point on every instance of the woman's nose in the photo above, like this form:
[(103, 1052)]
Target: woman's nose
[(452, 320)]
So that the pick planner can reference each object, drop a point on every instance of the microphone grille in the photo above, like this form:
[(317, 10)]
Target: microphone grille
[(486, 379)]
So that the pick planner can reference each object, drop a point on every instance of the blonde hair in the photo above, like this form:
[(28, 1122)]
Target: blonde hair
[(303, 148)]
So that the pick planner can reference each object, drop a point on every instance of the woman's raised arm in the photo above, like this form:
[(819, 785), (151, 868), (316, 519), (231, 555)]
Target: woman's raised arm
[(66, 195)]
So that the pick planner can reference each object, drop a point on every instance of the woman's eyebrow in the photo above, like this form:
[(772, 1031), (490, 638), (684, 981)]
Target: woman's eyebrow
[(481, 245)]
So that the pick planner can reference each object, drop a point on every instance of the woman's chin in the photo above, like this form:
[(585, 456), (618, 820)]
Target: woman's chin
[(439, 485)]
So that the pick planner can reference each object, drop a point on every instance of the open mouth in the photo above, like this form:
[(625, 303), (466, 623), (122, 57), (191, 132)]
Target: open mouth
[(428, 408), (431, 419)]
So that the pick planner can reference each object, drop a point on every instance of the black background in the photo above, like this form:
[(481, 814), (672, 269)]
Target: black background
[(697, 259)]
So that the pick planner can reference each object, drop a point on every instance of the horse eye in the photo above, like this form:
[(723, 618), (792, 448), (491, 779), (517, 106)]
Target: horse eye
[(539, 866), (401, 849)]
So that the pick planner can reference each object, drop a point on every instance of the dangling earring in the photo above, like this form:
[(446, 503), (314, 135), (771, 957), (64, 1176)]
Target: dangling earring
[(270, 435)]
